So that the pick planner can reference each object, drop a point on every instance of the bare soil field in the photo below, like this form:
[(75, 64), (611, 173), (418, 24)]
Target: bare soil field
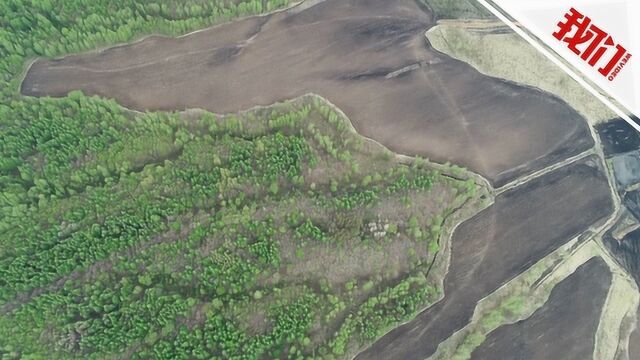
[(523, 226), (369, 57), (564, 328)]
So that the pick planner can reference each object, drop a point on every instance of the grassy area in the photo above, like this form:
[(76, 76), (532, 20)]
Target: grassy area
[(619, 310), (458, 9), (517, 300), (494, 50)]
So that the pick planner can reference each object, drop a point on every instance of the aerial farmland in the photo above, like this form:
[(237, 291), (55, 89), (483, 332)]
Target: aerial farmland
[(322, 179)]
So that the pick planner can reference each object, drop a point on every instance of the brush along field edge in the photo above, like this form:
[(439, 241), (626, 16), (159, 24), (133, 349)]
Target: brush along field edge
[(618, 318), (484, 198)]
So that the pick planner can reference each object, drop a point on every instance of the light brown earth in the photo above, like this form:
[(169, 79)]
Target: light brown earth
[(369, 57)]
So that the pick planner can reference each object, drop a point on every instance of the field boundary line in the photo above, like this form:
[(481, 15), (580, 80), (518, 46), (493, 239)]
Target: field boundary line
[(488, 4)]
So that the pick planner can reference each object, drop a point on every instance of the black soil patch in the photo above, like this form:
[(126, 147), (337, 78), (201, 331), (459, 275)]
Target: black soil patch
[(631, 201), (617, 136), (523, 226), (564, 328), (348, 51), (627, 252)]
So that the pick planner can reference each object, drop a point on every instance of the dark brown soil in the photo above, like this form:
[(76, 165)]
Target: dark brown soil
[(626, 251), (369, 57), (617, 136), (523, 226), (564, 328)]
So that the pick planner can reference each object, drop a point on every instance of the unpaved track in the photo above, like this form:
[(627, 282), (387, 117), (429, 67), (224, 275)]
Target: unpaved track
[(564, 328), (522, 226), (369, 57)]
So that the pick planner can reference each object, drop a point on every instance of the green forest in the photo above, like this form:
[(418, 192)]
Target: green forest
[(272, 233)]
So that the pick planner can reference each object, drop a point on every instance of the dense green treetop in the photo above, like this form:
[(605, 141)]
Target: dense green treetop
[(193, 235)]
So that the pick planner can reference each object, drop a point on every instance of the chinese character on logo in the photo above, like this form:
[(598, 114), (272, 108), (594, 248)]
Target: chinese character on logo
[(594, 42)]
